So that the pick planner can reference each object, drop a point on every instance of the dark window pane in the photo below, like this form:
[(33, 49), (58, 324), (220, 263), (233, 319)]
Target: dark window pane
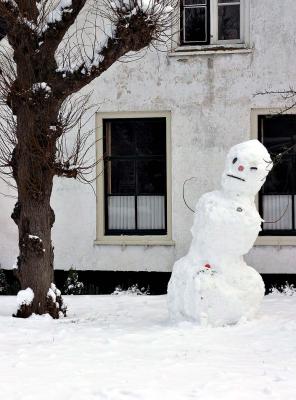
[(123, 177), (194, 2), (151, 177), (195, 24), (281, 178), (229, 22), (151, 138), (279, 134), (136, 137), (122, 138)]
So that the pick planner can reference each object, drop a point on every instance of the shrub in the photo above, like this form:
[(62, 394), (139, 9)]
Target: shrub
[(73, 285), (3, 282), (131, 291)]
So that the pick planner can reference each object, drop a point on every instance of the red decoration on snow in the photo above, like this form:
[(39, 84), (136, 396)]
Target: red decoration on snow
[(241, 168), (207, 266)]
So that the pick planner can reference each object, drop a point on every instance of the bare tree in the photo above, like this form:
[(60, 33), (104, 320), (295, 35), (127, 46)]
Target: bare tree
[(49, 58)]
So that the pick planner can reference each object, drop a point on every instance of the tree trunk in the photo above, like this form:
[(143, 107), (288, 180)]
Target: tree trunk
[(33, 214)]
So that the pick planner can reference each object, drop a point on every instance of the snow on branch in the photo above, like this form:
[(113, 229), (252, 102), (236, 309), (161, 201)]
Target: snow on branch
[(64, 6), (136, 24), (55, 19)]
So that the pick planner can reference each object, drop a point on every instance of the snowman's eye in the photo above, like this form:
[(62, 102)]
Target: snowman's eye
[(234, 160), (253, 168)]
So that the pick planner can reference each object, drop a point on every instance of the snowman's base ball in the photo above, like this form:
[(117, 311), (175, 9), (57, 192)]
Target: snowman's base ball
[(211, 297)]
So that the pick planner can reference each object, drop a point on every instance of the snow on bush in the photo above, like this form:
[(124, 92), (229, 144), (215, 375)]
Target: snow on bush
[(284, 290), (24, 297), (73, 285), (41, 86), (131, 291), (51, 294), (55, 302)]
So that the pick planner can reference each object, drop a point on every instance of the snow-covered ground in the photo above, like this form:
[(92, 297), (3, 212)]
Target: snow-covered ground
[(124, 348)]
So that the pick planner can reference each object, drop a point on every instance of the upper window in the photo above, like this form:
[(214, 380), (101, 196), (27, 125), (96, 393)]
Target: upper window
[(277, 199), (211, 21), (135, 183)]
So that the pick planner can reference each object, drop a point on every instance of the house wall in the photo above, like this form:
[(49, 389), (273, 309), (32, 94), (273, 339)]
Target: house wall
[(210, 97)]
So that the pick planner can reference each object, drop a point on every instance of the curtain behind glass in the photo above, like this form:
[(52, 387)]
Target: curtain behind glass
[(151, 212), (275, 207)]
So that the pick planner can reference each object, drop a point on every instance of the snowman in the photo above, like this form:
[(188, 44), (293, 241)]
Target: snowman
[(213, 284)]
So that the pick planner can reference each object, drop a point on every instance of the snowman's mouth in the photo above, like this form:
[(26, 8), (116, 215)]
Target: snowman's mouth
[(236, 177)]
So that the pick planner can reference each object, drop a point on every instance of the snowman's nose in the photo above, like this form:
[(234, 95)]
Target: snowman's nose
[(241, 167)]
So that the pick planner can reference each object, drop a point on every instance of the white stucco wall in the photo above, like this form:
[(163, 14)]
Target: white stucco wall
[(210, 98)]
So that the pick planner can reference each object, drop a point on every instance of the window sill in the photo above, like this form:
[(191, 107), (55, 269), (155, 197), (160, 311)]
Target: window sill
[(134, 241), (185, 51), (276, 241)]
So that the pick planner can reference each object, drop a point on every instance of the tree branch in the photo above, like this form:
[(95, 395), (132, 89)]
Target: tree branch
[(56, 30), (135, 28), (28, 9)]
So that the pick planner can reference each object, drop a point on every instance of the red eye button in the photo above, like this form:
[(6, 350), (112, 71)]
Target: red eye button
[(241, 168)]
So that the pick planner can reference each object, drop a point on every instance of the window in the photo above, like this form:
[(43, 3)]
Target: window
[(195, 19), (134, 202), (277, 200), (135, 176), (205, 22)]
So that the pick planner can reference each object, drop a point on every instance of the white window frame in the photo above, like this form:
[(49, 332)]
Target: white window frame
[(145, 240), (215, 20), (240, 43), (269, 240)]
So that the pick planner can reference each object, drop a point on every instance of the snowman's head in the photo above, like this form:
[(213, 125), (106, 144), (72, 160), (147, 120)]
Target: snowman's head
[(246, 169)]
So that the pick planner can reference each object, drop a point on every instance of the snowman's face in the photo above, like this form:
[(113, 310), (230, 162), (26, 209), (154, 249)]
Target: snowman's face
[(246, 169)]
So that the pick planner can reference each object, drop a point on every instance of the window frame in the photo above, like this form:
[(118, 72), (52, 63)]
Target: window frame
[(135, 158), (270, 239), (276, 232), (133, 239), (207, 6), (213, 22)]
